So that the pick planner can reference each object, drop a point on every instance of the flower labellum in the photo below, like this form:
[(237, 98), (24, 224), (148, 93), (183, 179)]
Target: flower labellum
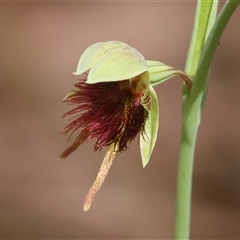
[(114, 103)]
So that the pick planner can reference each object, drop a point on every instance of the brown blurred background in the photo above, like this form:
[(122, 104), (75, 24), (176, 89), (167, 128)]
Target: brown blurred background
[(42, 196)]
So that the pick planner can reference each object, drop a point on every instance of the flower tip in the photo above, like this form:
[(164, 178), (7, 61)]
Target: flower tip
[(69, 95), (86, 206), (69, 150), (62, 156), (144, 164)]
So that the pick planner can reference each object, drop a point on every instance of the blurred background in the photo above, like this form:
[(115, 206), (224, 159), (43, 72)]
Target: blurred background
[(42, 196)]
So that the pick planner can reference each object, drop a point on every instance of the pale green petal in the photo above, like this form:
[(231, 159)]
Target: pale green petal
[(111, 61), (159, 73), (152, 63), (94, 53), (148, 139)]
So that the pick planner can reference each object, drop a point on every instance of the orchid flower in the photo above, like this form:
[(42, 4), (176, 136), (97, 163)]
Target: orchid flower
[(115, 102)]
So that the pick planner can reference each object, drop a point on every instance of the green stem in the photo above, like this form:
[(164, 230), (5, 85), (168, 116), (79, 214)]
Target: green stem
[(192, 117)]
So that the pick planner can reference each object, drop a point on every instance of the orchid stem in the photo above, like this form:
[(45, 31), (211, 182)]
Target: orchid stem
[(201, 52)]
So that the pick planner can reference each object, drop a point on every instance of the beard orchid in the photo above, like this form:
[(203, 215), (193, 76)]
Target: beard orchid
[(115, 103)]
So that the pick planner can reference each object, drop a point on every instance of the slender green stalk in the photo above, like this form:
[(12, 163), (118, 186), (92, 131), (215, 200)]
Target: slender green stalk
[(205, 16), (193, 105), (189, 133)]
